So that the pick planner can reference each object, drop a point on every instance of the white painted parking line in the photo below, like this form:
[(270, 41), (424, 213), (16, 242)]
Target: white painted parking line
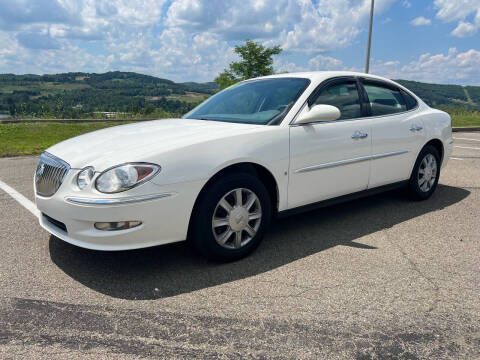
[(22, 200), (454, 158), (456, 138), (467, 147)]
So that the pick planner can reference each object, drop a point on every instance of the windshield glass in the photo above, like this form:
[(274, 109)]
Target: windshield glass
[(253, 102)]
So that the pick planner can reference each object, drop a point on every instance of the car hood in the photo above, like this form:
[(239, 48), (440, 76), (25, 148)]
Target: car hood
[(141, 141)]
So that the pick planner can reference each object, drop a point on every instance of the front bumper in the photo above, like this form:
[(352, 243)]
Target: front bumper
[(163, 210)]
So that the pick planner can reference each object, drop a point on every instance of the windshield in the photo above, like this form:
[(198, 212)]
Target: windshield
[(253, 102)]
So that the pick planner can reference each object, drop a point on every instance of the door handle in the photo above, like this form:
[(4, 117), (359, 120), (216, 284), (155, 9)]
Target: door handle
[(416, 128), (359, 135)]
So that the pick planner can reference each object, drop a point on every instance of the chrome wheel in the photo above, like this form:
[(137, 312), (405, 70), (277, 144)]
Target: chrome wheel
[(427, 173), (237, 218)]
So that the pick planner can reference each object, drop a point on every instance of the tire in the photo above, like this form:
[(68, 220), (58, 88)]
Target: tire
[(422, 190), (207, 237)]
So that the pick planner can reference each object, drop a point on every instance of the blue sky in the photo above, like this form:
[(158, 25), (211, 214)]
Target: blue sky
[(193, 40)]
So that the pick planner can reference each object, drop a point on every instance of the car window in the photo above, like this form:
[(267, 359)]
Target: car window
[(411, 101), (253, 102), (344, 96), (383, 100)]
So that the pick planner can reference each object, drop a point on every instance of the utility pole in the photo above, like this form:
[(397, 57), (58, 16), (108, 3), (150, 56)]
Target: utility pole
[(367, 63)]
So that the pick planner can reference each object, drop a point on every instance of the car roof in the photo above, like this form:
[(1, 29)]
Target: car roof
[(317, 76)]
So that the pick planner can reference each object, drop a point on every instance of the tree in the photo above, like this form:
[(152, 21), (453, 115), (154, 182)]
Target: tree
[(256, 61)]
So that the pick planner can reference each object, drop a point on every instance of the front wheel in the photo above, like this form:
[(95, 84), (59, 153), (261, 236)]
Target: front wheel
[(231, 217), (425, 174)]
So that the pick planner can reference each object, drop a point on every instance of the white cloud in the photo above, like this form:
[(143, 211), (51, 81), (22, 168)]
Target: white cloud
[(421, 21), (297, 25), (45, 60), (321, 62), (406, 4), (460, 10), (453, 67), (193, 39), (464, 29), (179, 39)]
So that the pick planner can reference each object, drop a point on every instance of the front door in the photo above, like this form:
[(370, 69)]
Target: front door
[(332, 158)]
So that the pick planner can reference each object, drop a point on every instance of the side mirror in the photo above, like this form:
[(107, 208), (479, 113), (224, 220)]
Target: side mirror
[(318, 113)]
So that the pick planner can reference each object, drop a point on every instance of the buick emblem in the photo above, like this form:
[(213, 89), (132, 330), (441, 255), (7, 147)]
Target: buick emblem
[(40, 169)]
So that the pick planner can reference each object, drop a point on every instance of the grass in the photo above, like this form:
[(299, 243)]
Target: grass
[(463, 118), (34, 138)]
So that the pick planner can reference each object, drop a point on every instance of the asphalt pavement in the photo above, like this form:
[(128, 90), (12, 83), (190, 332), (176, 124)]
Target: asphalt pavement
[(377, 278)]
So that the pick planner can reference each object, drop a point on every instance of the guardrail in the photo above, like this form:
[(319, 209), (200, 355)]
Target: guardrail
[(467, 128), (67, 121), (70, 121)]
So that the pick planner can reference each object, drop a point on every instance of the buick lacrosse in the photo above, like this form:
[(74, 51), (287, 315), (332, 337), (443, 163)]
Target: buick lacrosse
[(262, 148)]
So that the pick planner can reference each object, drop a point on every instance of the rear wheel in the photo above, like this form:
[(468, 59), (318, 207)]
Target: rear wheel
[(231, 217), (425, 174)]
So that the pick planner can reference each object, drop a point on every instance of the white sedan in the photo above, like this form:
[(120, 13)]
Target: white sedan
[(262, 148)]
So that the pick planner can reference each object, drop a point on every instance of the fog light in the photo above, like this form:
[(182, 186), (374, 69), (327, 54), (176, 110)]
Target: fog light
[(119, 225)]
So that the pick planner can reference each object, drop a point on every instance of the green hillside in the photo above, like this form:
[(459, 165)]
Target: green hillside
[(438, 95), (75, 95), (132, 95)]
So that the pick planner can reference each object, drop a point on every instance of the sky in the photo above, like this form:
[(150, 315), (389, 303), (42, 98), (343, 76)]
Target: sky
[(193, 40)]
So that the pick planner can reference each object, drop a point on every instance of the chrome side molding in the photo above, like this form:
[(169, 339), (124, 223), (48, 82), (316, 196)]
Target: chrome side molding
[(350, 161), (115, 201)]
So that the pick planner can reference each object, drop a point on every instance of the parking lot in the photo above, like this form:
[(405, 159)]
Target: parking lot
[(377, 278)]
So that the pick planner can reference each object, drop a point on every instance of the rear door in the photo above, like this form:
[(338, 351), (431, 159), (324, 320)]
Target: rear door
[(397, 132)]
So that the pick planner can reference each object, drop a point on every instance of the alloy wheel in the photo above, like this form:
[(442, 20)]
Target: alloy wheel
[(427, 173), (236, 218)]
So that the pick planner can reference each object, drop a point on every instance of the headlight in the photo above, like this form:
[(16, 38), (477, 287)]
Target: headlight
[(84, 177), (124, 177)]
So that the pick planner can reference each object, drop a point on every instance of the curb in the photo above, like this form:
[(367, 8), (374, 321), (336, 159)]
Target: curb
[(467, 128)]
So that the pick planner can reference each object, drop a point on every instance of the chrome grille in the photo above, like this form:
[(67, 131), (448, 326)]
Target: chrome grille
[(49, 174)]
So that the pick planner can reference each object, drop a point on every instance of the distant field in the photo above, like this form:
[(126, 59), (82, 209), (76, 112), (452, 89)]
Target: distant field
[(189, 97), (44, 88), (34, 138)]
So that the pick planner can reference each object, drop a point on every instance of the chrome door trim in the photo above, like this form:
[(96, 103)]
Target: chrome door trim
[(393, 153), (349, 161), (115, 201), (333, 164)]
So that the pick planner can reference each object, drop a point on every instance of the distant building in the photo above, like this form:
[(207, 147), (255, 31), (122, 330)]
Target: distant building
[(110, 114)]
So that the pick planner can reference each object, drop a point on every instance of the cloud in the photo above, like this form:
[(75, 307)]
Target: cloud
[(85, 19), (321, 62), (406, 4), (297, 25), (194, 39), (180, 39), (65, 58), (464, 29), (37, 41), (460, 10), (452, 67), (421, 21)]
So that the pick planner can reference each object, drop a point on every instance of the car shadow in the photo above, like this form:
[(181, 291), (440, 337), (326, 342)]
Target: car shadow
[(175, 269)]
